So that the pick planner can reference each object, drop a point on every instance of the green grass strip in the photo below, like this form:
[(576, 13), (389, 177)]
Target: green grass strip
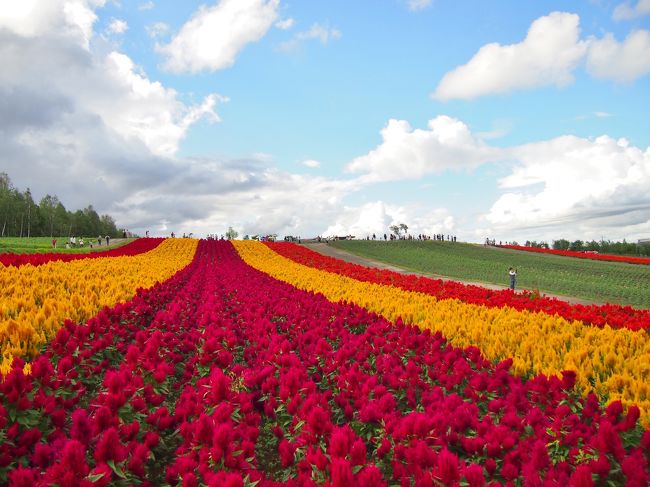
[(612, 282)]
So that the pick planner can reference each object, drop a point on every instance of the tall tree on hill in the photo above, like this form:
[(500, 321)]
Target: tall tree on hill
[(6, 201), (48, 206)]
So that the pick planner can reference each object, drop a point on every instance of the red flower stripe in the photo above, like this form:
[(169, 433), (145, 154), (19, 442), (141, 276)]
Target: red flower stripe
[(582, 255), (138, 246), (614, 315), (224, 376)]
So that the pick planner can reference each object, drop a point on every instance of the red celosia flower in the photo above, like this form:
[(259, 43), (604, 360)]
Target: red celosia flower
[(81, 429), (341, 472), (43, 456), (634, 470), (568, 379), (29, 438), (109, 447), (73, 461), (316, 457), (190, 480), (22, 477), (219, 385), (358, 453), (447, 470), (151, 439), (474, 475), (286, 451), (581, 477)]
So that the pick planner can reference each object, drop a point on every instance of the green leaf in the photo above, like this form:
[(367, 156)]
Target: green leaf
[(117, 470), (95, 477)]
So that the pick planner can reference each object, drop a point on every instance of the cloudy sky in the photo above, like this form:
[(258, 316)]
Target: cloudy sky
[(515, 120)]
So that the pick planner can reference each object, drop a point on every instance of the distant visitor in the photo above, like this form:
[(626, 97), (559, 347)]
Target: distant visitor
[(513, 278)]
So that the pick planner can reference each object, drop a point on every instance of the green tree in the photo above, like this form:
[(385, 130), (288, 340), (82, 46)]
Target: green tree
[(108, 226), (48, 206), (576, 245), (561, 244), (231, 234), (7, 191)]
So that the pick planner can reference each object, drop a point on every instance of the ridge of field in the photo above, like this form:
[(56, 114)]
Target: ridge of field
[(43, 245), (599, 281)]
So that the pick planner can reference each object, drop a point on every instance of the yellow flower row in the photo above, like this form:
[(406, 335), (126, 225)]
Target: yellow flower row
[(615, 363), (35, 301)]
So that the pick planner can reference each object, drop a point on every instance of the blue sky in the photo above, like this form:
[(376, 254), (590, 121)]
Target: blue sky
[(515, 120)]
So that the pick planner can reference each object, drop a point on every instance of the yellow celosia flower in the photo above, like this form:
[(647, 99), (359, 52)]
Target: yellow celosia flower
[(35, 301), (615, 363)]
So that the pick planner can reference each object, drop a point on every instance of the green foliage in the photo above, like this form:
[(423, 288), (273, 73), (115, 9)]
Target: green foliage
[(600, 281), (603, 247), (33, 245), (20, 216)]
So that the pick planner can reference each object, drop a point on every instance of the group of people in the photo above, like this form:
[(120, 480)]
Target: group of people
[(439, 236), (74, 242)]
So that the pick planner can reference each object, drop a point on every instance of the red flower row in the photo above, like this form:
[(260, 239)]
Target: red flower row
[(138, 246), (582, 255), (224, 376), (614, 315)]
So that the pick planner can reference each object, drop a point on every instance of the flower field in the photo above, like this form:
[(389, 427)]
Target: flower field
[(133, 248), (236, 366), (582, 255), (599, 315), (36, 300), (592, 280)]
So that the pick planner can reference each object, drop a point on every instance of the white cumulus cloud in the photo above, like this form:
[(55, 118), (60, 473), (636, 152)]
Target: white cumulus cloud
[(620, 61), (375, 218), (157, 30), (318, 32), (285, 24), (416, 5), (71, 19), (563, 186), (214, 36), (407, 153), (311, 163), (625, 11), (583, 186), (547, 56), (118, 26)]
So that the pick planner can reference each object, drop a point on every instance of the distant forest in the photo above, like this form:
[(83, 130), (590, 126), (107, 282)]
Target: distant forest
[(603, 246), (21, 216)]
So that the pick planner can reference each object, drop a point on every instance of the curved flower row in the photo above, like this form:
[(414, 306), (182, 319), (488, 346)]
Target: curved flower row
[(613, 315), (224, 376), (136, 247), (35, 301), (615, 363), (582, 255)]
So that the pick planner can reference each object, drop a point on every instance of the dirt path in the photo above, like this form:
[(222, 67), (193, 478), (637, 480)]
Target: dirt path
[(325, 249)]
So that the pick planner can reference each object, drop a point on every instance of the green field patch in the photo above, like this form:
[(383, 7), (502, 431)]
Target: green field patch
[(41, 245), (612, 282)]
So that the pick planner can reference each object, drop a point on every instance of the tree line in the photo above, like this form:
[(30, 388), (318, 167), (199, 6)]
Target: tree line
[(21, 216), (602, 246)]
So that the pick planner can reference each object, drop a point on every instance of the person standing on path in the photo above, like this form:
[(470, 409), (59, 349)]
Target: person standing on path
[(513, 277)]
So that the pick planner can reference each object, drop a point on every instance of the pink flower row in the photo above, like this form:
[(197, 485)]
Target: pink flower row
[(138, 246), (224, 376)]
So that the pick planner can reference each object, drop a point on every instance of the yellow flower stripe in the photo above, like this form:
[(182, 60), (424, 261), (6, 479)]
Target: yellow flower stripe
[(615, 363), (35, 301)]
